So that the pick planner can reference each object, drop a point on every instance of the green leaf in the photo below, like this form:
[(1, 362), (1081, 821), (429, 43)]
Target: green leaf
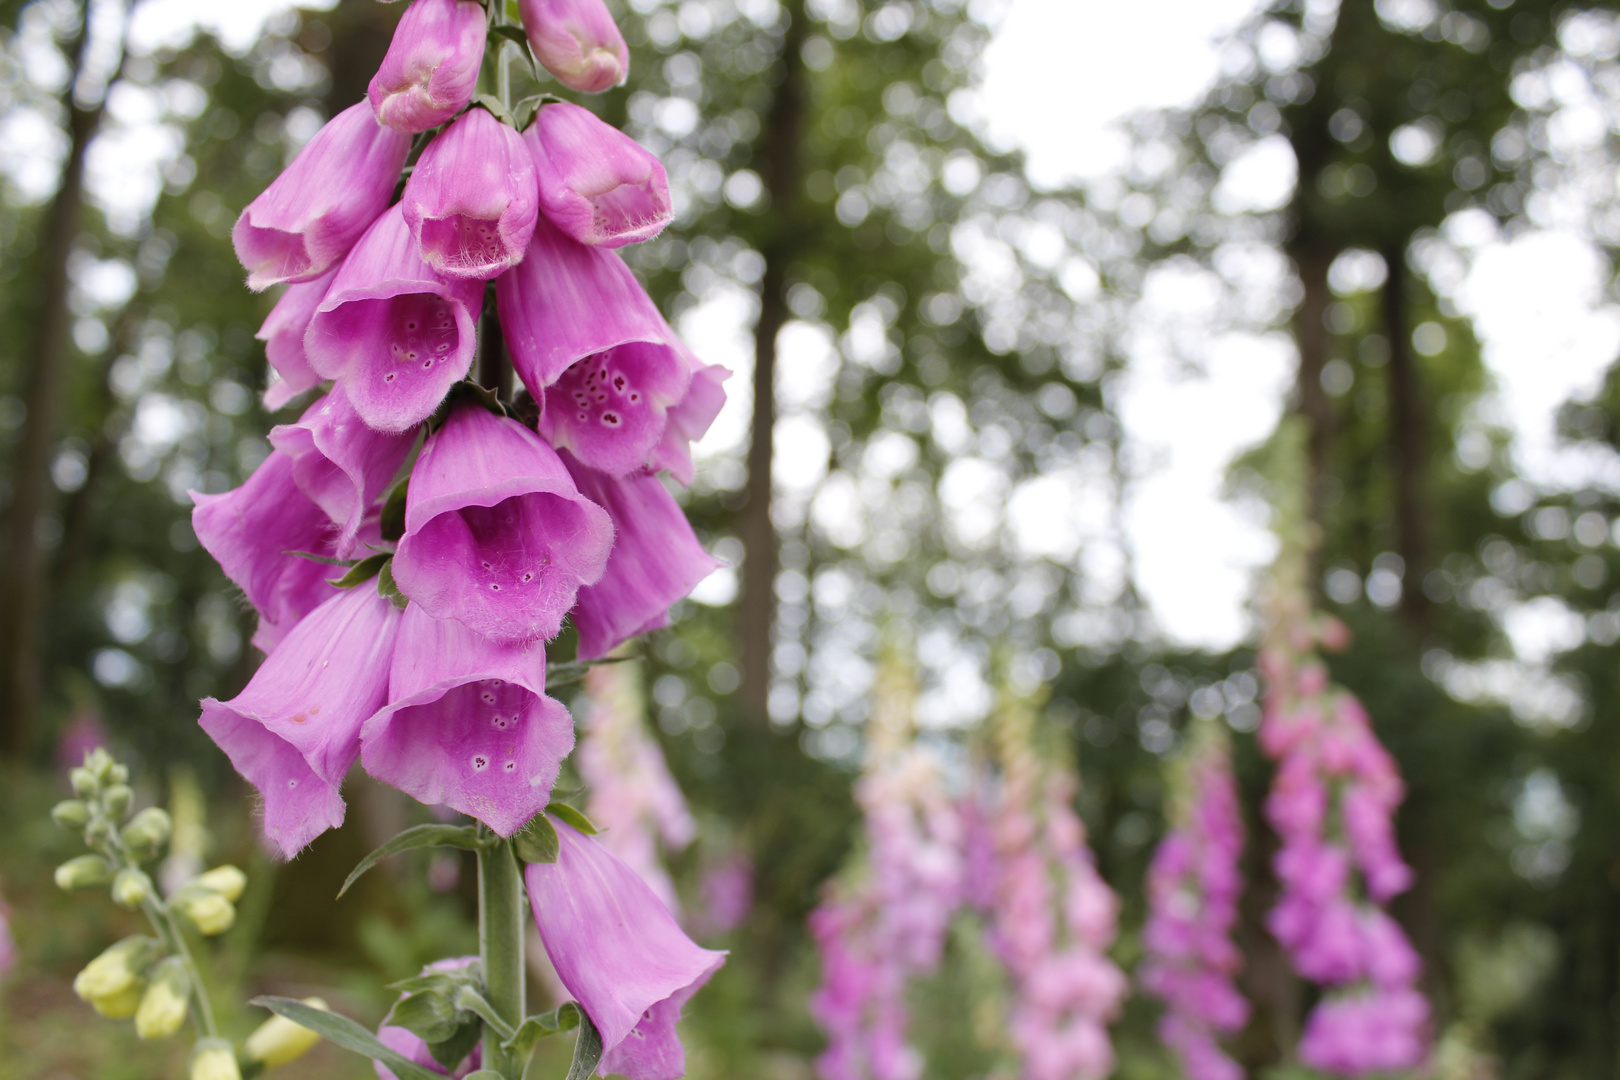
[(468, 999), (346, 1033), (576, 818), (456, 836), (452, 1051), (363, 571), (496, 109), (536, 842), (327, 559), (392, 523), (587, 1049), (572, 671), (510, 33), (429, 1014), (389, 589)]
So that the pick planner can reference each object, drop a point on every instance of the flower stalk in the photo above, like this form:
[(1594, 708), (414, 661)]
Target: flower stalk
[(501, 912)]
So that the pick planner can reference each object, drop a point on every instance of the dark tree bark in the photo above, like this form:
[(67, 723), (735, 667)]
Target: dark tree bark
[(1311, 336), (1406, 420), (23, 582), (779, 168)]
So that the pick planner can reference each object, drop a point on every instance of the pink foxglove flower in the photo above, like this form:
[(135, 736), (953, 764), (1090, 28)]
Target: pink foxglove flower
[(578, 42), (619, 952), (597, 184), (688, 420), (633, 798), (408, 1044), (472, 200), (8, 944), (340, 463), (431, 69), (468, 724), (593, 349), (656, 559), (394, 332), (249, 532), (283, 337), (496, 534), (294, 731), (314, 212)]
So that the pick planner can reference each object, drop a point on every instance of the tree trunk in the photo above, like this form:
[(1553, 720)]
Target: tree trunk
[(1311, 262), (779, 168), (1406, 420), (23, 583)]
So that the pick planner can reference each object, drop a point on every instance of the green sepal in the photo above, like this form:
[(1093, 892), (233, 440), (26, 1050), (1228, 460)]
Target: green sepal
[(324, 559), (465, 390), (537, 841), (571, 671), (362, 571), (495, 107), (573, 816), (587, 1048), (392, 521), (389, 589), (564, 1017), (510, 33), (430, 1015), (339, 1029), (456, 836)]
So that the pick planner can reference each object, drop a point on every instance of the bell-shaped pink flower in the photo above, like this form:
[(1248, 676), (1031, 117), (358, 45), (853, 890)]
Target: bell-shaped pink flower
[(578, 42), (294, 731), (283, 337), (312, 214), (597, 184), (393, 332), (688, 420), (472, 199), (656, 559), (468, 723), (619, 952), (340, 463), (593, 349), (431, 69), (496, 534), (249, 530)]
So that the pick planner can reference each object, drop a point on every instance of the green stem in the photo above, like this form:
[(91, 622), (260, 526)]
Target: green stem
[(500, 945), (168, 927)]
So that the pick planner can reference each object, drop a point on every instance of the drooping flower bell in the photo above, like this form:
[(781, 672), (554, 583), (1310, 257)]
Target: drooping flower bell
[(496, 534), (578, 42), (688, 420), (314, 212), (593, 349), (391, 330), (249, 532), (472, 199), (619, 952), (431, 68), (340, 463), (656, 559), (597, 184), (283, 337), (294, 731), (468, 724)]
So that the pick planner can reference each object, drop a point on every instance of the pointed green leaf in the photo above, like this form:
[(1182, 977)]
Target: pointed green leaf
[(536, 842), (456, 836), (496, 109), (535, 1028), (563, 812), (389, 589), (392, 522), (587, 1049), (452, 1051), (346, 1033), (429, 1015), (363, 571), (510, 33), (327, 559)]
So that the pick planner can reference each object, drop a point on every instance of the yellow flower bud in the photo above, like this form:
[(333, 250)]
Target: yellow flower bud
[(118, 968), (148, 829), (131, 888), (83, 781), (84, 872), (278, 1040), (123, 1004), (213, 1059), (163, 1006), (99, 763), (117, 799), (208, 911), (71, 814), (226, 880)]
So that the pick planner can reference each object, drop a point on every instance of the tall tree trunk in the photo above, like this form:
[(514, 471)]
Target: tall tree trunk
[(779, 168), (1311, 262), (1406, 420), (23, 583)]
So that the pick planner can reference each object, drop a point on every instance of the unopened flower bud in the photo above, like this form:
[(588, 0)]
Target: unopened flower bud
[(118, 774), (163, 1005), (226, 880), (148, 829), (578, 42), (279, 1041), (117, 799), (83, 781), (213, 1059), (98, 832), (431, 68), (71, 814), (122, 1005), (100, 764), (208, 911), (117, 969), (131, 888), (84, 872)]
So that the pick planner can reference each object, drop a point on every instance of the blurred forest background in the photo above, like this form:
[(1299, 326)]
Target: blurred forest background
[(935, 338)]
